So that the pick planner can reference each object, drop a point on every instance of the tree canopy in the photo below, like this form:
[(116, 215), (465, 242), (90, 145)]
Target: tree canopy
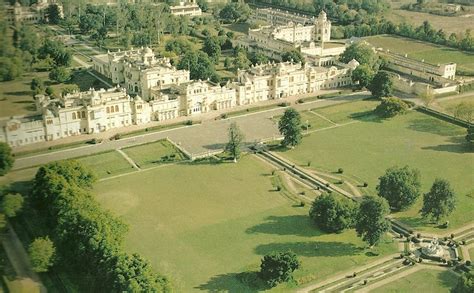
[(371, 223), (277, 267), (363, 75), (199, 65), (381, 85), (292, 56), (6, 158), (400, 186), (235, 141), (390, 107), (41, 253), (290, 127), (465, 283), (332, 214), (440, 201), (361, 52), (12, 203)]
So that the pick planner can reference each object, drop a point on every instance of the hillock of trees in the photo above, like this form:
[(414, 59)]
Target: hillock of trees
[(86, 235)]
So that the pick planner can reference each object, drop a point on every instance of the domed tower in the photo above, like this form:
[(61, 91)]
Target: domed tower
[(322, 28)]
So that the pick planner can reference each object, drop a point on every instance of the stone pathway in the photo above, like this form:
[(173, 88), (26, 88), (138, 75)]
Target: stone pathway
[(129, 160)]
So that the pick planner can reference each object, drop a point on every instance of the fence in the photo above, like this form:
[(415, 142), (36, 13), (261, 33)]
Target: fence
[(445, 117)]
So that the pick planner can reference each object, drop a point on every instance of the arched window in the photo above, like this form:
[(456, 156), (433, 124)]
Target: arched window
[(116, 108), (108, 110), (73, 115), (83, 115)]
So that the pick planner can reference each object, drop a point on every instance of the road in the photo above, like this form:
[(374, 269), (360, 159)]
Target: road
[(208, 136)]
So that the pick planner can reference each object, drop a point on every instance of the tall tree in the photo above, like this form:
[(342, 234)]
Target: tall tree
[(381, 85), (41, 252), (12, 204), (292, 56), (235, 141), (53, 14), (363, 75), (213, 48), (400, 187), (440, 201), (390, 107), (371, 223), (290, 127), (332, 214), (6, 158), (278, 267), (199, 65), (362, 52)]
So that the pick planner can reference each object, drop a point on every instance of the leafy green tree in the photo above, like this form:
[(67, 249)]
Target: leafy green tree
[(28, 40), (12, 204), (258, 58), (179, 46), (278, 267), (60, 74), (42, 252), (10, 68), (294, 56), (332, 214), (235, 12), (227, 63), (37, 86), (465, 283), (241, 61), (53, 14), (381, 85), (464, 111), (213, 48), (390, 107), (57, 51), (49, 91), (69, 89), (203, 5), (235, 141), (440, 201), (290, 127), (6, 158), (199, 65), (400, 186), (363, 53), (363, 75), (371, 223)]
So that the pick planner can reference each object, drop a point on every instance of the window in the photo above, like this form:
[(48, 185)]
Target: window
[(83, 115), (108, 110), (73, 115), (116, 108)]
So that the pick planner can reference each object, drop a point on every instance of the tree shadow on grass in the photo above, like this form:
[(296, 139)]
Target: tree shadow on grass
[(435, 126), (234, 283), (215, 146), (414, 222), (19, 93), (366, 116), (448, 279), (312, 248), (299, 225), (459, 146)]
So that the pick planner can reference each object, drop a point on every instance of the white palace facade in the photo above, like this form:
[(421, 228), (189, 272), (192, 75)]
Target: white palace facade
[(150, 89)]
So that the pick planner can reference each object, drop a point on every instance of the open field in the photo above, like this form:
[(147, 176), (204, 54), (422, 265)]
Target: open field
[(206, 225), (419, 50), (426, 280), (450, 104), (107, 164), (151, 154), (471, 253), (367, 147), (449, 24)]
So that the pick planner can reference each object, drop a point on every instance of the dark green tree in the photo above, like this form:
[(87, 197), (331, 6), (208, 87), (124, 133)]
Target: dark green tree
[(37, 86), (258, 58), (400, 186), (332, 214), (361, 52), (212, 48), (371, 223), (12, 203), (381, 85), (278, 267), (363, 75), (465, 283), (42, 252), (241, 61), (439, 202), (60, 74), (235, 141), (199, 65), (53, 14), (390, 107), (6, 158), (292, 56), (290, 127)]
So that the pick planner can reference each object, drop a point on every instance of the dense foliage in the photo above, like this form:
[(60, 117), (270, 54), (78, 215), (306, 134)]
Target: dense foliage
[(400, 186), (290, 127), (41, 253), (371, 223), (465, 283), (381, 85), (12, 203), (390, 107), (87, 235), (6, 158), (293, 56), (332, 214), (440, 201), (277, 267), (235, 141)]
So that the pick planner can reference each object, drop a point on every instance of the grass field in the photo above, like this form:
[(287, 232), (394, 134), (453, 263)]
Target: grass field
[(107, 164), (206, 225), (425, 280), (151, 154), (367, 147), (421, 50), (449, 105)]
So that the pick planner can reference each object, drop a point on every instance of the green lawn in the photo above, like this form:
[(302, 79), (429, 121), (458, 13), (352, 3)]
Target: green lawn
[(206, 224), (449, 105), (347, 112), (151, 154), (419, 50), (367, 147), (471, 253), (107, 164), (426, 280)]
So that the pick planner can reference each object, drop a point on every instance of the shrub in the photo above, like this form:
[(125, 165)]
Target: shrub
[(327, 184), (340, 181), (302, 204), (189, 122), (390, 107), (309, 163), (277, 267), (278, 188), (468, 263), (366, 184), (224, 116), (340, 170), (117, 136), (284, 104), (300, 101)]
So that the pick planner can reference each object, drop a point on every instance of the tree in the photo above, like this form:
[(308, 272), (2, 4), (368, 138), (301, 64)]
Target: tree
[(464, 111), (363, 75), (470, 134), (258, 58), (332, 214), (290, 127), (371, 223), (381, 85), (362, 52), (69, 89), (12, 204), (292, 56), (241, 61), (49, 91), (235, 141), (6, 158), (213, 48), (3, 221), (235, 11), (426, 98), (278, 267), (60, 74), (227, 63), (465, 283), (439, 202), (400, 187), (37, 86), (199, 65), (53, 14), (57, 51), (390, 107), (42, 252)]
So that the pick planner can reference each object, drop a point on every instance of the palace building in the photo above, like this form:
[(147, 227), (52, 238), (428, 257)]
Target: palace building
[(189, 8), (36, 13), (278, 17)]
